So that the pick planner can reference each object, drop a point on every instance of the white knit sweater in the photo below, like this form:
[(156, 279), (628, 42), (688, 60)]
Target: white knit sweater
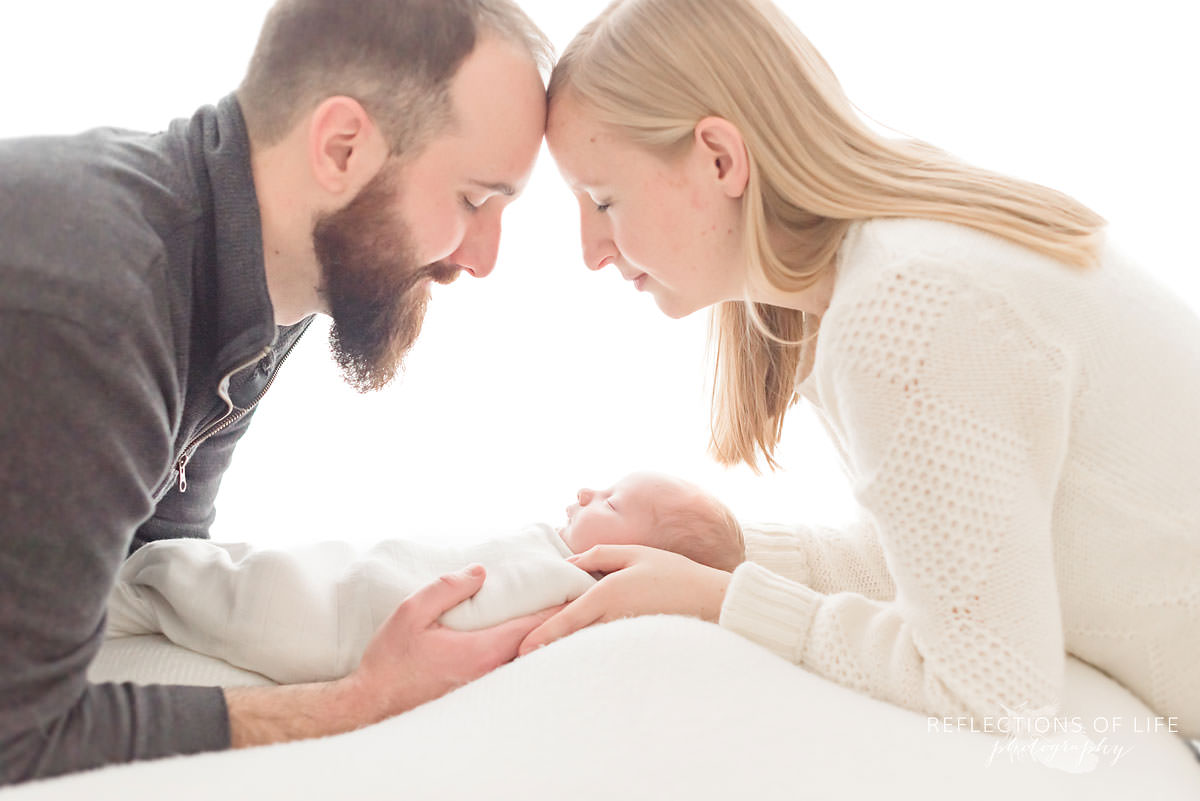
[(1022, 437)]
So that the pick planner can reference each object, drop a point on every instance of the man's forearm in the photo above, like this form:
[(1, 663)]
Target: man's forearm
[(265, 715), (411, 660), (111, 723)]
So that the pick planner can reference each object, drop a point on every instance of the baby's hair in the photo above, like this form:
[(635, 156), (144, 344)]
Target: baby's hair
[(704, 530)]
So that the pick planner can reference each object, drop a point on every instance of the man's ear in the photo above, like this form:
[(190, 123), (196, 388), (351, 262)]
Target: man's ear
[(345, 148), (720, 144)]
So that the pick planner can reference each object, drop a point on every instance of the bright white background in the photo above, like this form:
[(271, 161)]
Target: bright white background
[(545, 377)]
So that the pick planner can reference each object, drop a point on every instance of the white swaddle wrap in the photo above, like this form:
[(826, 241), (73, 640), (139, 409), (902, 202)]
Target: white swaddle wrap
[(307, 613)]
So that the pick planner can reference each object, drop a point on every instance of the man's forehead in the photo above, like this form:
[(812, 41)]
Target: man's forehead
[(470, 160), (496, 163), (499, 105)]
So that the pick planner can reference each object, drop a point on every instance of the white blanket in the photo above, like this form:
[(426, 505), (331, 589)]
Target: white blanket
[(671, 708), (307, 614)]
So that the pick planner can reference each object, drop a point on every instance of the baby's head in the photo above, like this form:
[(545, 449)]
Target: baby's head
[(659, 511)]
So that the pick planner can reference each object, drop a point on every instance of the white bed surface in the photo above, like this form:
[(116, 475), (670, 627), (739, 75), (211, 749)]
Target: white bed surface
[(153, 659), (660, 708)]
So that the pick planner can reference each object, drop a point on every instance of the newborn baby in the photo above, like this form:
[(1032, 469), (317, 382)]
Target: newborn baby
[(307, 614), (659, 511)]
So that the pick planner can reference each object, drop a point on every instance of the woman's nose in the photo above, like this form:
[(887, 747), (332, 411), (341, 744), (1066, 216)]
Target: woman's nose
[(598, 248), (596, 257)]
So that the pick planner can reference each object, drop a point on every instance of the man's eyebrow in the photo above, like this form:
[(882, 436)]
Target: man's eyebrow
[(502, 188)]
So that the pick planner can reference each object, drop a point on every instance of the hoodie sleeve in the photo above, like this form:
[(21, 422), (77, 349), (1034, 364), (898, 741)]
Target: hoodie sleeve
[(84, 437)]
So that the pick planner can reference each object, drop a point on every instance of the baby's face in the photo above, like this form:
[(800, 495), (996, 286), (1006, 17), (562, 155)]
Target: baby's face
[(623, 514)]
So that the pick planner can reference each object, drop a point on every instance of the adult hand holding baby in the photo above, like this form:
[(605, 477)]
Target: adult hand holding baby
[(411, 659), (638, 580)]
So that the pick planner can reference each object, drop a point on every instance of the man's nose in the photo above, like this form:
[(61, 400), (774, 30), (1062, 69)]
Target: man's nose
[(479, 249)]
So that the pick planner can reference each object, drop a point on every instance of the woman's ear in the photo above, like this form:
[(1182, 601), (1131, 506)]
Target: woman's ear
[(345, 148), (720, 143)]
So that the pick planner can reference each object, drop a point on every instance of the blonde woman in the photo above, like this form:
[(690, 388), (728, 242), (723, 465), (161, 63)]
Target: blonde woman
[(1014, 400)]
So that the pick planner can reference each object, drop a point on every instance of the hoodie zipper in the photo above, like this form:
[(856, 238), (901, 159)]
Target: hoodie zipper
[(232, 414)]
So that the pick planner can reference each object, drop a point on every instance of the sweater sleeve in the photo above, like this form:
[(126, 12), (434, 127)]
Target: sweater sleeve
[(825, 559), (84, 436), (954, 413)]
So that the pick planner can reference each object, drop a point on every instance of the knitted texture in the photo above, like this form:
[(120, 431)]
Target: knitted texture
[(1021, 438)]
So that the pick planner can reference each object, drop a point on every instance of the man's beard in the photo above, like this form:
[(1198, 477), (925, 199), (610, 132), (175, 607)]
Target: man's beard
[(373, 287)]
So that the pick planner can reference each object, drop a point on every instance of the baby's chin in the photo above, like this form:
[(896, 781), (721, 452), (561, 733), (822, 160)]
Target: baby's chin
[(562, 532)]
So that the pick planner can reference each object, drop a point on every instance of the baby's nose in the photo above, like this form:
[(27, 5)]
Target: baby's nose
[(585, 497)]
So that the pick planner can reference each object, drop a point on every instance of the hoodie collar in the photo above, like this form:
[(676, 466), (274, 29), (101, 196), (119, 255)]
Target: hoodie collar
[(242, 314)]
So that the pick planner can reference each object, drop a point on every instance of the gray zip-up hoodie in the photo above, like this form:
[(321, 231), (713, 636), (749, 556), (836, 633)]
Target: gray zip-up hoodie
[(136, 337)]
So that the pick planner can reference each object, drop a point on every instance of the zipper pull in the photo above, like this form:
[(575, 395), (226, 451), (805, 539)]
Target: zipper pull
[(183, 462)]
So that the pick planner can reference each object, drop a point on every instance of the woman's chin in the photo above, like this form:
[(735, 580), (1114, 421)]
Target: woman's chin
[(675, 310)]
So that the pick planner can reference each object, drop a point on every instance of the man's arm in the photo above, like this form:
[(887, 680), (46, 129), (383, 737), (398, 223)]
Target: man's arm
[(412, 659), (84, 436)]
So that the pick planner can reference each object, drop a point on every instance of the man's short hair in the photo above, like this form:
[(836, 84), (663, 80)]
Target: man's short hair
[(395, 57)]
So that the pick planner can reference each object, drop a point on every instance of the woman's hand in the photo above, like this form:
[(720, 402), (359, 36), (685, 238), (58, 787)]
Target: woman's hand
[(639, 581)]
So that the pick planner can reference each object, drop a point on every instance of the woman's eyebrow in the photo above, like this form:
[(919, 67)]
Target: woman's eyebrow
[(584, 185)]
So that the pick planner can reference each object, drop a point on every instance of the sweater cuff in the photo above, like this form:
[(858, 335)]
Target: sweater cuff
[(778, 549), (204, 714), (770, 610)]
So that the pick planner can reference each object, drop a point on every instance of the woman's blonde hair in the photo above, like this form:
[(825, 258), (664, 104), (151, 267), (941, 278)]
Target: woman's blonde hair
[(655, 68)]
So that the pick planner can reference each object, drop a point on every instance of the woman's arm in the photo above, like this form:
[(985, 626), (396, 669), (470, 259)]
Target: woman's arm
[(827, 560), (955, 416)]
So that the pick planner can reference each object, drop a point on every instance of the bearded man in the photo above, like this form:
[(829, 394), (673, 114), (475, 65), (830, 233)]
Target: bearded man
[(150, 288)]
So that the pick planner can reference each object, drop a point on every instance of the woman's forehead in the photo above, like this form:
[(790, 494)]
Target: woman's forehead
[(577, 126)]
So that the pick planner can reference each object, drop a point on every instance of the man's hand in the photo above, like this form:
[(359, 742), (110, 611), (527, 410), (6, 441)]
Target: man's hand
[(410, 660), (639, 581), (413, 658)]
